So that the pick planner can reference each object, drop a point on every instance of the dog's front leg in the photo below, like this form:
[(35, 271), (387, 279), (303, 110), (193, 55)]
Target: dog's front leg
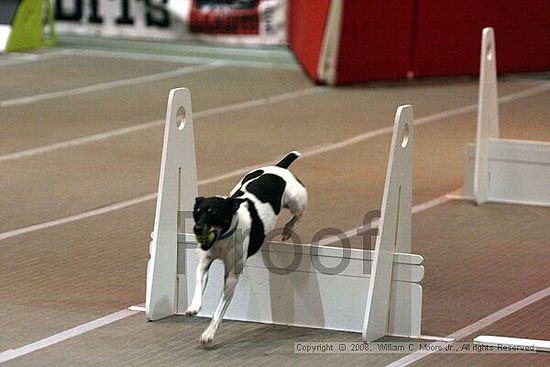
[(230, 284), (200, 284)]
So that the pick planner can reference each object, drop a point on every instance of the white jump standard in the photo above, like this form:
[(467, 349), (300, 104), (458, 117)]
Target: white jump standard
[(376, 293), (503, 170)]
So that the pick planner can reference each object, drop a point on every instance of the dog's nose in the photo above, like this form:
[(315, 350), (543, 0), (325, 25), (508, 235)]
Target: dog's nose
[(198, 228)]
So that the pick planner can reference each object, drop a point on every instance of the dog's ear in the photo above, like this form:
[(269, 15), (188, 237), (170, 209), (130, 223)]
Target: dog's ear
[(198, 200), (236, 203)]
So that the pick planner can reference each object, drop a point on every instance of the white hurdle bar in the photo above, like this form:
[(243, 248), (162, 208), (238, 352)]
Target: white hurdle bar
[(502, 170), (519, 344), (376, 293)]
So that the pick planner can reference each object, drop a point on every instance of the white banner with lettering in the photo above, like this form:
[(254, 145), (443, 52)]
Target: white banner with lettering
[(251, 22)]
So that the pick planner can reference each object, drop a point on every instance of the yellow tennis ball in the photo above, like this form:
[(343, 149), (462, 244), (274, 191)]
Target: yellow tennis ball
[(206, 238)]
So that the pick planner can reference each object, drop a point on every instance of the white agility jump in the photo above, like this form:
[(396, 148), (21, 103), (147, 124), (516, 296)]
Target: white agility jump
[(375, 292), (503, 170)]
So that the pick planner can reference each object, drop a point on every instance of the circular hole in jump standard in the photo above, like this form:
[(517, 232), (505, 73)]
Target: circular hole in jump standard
[(489, 52), (181, 118), (405, 136)]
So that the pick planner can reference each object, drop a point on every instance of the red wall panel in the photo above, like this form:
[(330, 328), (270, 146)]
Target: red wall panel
[(448, 36), (384, 39), (376, 40), (307, 21)]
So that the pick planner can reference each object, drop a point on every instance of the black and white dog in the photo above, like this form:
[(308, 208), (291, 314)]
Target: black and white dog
[(234, 228)]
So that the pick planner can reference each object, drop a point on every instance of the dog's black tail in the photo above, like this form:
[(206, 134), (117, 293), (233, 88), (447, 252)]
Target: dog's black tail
[(287, 161)]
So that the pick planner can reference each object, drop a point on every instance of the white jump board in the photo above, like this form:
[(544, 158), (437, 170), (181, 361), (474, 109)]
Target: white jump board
[(514, 343), (306, 296), (519, 171)]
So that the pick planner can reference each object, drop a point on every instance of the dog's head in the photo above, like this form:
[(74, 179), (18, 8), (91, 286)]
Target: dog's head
[(213, 216)]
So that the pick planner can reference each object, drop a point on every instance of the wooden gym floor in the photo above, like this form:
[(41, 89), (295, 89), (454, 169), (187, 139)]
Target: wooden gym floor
[(81, 132)]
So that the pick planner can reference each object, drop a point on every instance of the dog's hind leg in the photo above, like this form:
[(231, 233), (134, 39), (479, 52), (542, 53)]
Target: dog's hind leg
[(287, 229), (297, 206), (230, 284), (200, 284)]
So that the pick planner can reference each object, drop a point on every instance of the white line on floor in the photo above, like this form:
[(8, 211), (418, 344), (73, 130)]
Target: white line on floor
[(475, 327), (238, 172), (142, 56), (19, 58), (79, 216), (183, 59), (147, 125), (324, 148), (64, 335), (374, 224), (524, 79), (204, 49), (107, 85)]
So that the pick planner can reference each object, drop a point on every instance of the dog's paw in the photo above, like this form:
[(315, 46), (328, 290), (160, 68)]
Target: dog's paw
[(192, 311), (207, 337)]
